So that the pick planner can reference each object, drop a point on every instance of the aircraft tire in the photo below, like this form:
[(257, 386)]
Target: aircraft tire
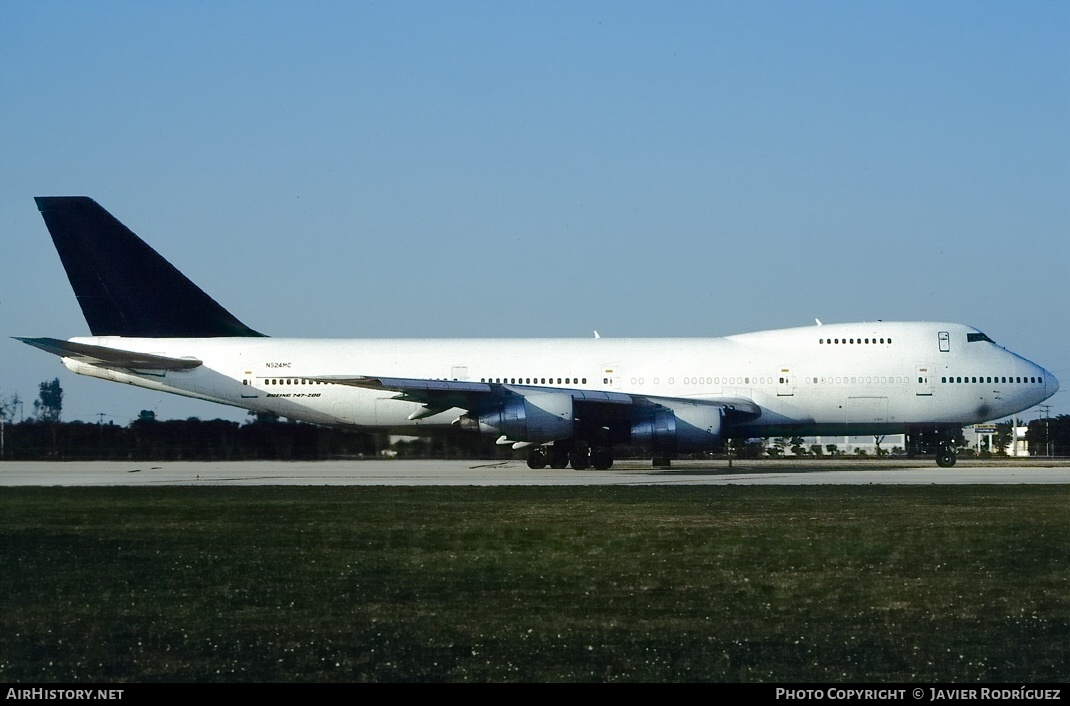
[(602, 459), (945, 457), (579, 460), (558, 459), (537, 459)]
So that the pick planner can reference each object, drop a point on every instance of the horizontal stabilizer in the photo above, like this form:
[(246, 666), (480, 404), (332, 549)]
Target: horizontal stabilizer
[(110, 357)]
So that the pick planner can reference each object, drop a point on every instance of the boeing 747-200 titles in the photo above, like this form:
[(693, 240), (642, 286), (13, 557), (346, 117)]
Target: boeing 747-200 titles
[(568, 401)]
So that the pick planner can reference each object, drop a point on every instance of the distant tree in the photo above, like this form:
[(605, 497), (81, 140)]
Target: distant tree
[(49, 403), (8, 406), (7, 414), (833, 449), (877, 439), (1049, 436), (751, 448), (797, 446), (264, 417), (1001, 440), (776, 449), (816, 449)]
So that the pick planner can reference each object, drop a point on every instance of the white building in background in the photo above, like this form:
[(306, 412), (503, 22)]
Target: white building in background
[(846, 445), (1017, 447), (853, 445)]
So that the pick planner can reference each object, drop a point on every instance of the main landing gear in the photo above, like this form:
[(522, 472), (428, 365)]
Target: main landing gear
[(579, 458), (543, 456)]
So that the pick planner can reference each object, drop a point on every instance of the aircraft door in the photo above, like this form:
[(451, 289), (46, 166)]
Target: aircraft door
[(945, 341), (924, 376), (248, 386), (785, 383), (612, 375)]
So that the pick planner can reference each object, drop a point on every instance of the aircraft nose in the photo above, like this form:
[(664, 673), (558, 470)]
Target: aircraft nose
[(1051, 383)]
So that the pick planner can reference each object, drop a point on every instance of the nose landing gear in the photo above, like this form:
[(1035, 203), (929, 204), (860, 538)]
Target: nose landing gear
[(941, 440), (945, 456)]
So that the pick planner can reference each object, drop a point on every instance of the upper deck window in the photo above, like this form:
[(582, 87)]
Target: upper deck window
[(971, 337)]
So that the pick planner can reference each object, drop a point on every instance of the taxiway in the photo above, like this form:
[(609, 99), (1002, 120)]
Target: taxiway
[(505, 473)]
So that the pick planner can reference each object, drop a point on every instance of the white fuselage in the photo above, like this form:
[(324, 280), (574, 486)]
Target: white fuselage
[(879, 377)]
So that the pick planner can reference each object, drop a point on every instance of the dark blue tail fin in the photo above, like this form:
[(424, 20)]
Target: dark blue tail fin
[(125, 288)]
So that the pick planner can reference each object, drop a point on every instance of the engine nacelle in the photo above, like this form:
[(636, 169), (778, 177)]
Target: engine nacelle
[(684, 427), (537, 417)]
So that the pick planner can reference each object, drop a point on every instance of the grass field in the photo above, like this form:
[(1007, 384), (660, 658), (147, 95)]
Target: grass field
[(874, 583)]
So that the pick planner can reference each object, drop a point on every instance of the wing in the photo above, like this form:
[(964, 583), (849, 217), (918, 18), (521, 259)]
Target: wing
[(529, 414), (438, 396)]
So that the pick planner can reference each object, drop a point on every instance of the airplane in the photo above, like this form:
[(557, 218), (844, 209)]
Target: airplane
[(569, 402)]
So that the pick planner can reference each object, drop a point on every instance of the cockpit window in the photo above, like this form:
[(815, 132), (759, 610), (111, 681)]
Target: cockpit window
[(971, 337)]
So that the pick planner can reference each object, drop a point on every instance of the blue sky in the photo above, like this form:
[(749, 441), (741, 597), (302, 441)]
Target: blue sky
[(423, 169)]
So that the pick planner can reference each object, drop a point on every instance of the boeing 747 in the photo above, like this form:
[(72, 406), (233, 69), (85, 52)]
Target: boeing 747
[(568, 401)]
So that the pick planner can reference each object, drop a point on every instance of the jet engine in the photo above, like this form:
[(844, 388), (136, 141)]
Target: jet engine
[(681, 428), (537, 417)]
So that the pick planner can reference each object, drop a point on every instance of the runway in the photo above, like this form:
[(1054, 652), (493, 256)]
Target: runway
[(506, 473)]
